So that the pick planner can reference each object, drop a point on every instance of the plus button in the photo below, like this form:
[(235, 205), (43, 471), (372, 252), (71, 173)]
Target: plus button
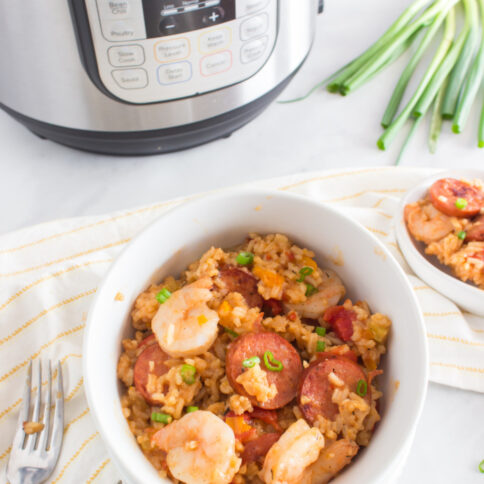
[(214, 17)]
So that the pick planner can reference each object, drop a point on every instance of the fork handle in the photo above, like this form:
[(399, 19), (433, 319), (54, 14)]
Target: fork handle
[(26, 475)]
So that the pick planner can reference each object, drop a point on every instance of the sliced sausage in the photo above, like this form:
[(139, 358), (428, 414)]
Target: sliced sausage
[(237, 280), (445, 192), (255, 450), (272, 307), (476, 232), (256, 344), (151, 352), (341, 321), (315, 390)]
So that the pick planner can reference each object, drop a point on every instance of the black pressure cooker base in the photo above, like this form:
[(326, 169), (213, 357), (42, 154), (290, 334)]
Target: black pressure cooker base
[(151, 142)]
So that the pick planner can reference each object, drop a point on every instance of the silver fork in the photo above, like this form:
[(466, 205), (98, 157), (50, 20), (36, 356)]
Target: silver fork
[(33, 457)]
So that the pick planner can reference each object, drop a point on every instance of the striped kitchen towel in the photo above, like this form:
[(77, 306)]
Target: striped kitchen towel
[(49, 274)]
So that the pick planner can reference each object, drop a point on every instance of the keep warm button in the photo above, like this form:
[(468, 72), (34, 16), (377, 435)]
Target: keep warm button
[(216, 63)]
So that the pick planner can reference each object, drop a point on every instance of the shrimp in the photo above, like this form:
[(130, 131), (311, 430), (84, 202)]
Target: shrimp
[(330, 291), (288, 459), (332, 459), (200, 449), (184, 325), (426, 223)]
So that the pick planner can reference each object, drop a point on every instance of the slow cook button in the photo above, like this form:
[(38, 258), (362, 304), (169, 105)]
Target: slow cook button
[(215, 40), (126, 55), (248, 7), (254, 26), (252, 50), (172, 50), (131, 78), (216, 63), (114, 9), (119, 31), (175, 73)]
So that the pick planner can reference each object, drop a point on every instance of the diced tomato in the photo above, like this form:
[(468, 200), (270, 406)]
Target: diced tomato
[(272, 307), (341, 320), (241, 425), (267, 416), (290, 255), (292, 316)]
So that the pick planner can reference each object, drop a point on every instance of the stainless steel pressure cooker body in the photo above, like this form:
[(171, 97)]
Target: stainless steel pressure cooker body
[(147, 76)]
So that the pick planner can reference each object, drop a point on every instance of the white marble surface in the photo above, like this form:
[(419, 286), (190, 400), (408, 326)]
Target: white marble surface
[(41, 181)]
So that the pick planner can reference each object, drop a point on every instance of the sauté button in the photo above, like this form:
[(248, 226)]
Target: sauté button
[(131, 78)]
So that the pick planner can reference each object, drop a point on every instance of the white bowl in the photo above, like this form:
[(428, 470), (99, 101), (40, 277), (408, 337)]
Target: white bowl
[(427, 267), (166, 247)]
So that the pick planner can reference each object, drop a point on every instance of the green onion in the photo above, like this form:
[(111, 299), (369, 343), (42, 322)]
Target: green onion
[(304, 272), (251, 362), (231, 332), (320, 331), (436, 120), (408, 72), (481, 130), (459, 73), (481, 466), (413, 129), (462, 235), (244, 258), (161, 417), (191, 409), (271, 363), (461, 203), (320, 346), (361, 388), (310, 289), (188, 373), (163, 295), (389, 134), (472, 85)]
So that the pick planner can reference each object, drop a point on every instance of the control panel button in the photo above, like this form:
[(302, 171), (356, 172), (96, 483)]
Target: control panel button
[(216, 63), (254, 26), (248, 7), (122, 31), (254, 49), (126, 55), (173, 49), (215, 40), (175, 73), (168, 25), (115, 9), (213, 16), (131, 78)]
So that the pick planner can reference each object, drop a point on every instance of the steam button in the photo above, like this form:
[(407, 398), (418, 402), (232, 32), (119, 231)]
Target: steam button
[(254, 26)]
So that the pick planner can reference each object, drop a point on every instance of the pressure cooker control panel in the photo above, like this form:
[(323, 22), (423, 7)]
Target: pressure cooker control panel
[(158, 50)]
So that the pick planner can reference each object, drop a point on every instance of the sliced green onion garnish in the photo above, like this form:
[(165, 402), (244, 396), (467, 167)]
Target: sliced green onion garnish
[(462, 234), (320, 346), (271, 363), (304, 272), (481, 466), (161, 417), (320, 331), (244, 258), (461, 203), (231, 332), (188, 373), (310, 289), (361, 388), (251, 362), (191, 409), (163, 295)]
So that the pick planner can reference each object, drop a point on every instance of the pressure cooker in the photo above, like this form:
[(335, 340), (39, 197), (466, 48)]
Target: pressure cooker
[(147, 76)]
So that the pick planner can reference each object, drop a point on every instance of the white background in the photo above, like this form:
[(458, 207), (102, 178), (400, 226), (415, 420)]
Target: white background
[(42, 181)]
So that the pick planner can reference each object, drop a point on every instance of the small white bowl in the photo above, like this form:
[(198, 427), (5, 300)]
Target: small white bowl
[(224, 219), (427, 267)]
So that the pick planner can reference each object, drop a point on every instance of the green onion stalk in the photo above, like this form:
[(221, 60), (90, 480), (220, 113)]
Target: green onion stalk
[(437, 119), (449, 32), (472, 85)]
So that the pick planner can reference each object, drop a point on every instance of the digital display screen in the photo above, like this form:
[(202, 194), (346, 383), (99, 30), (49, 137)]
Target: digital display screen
[(171, 17)]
